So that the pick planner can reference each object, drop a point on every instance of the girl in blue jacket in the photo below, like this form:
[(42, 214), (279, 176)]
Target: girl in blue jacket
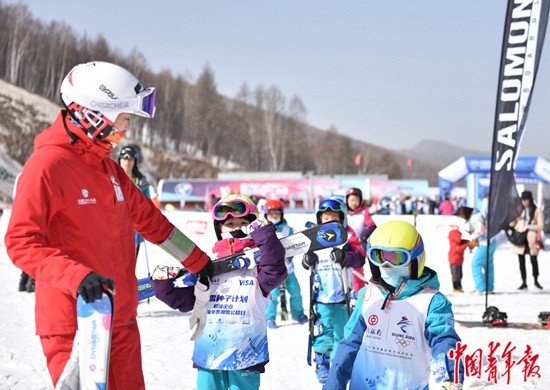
[(402, 329)]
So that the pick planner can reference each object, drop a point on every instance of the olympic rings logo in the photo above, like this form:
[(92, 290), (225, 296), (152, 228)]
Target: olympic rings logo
[(402, 342)]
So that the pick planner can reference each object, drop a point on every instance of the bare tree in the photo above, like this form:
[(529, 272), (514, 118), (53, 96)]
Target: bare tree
[(259, 129), (19, 40), (209, 112)]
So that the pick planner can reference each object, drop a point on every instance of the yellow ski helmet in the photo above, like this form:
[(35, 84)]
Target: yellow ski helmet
[(396, 243)]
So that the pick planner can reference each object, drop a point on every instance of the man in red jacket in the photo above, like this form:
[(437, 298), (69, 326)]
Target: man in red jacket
[(74, 216)]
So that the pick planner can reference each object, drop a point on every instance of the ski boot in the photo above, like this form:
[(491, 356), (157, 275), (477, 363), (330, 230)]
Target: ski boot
[(30, 285), (301, 319), (23, 281), (271, 324), (322, 366)]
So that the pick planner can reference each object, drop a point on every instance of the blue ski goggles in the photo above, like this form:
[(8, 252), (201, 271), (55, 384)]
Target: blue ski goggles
[(394, 257), (329, 204)]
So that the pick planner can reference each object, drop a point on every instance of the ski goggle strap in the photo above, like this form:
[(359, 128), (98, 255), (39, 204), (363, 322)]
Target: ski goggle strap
[(235, 208), (330, 204), (395, 257), (143, 104)]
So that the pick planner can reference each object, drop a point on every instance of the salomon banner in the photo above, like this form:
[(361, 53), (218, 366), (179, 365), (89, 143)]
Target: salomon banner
[(524, 33)]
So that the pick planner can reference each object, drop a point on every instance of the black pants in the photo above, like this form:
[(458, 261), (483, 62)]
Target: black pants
[(456, 276), (534, 265)]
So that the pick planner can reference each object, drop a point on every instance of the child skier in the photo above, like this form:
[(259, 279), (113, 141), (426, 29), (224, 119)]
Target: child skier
[(400, 314), (457, 246), (274, 213), (331, 269), (233, 350), (360, 220)]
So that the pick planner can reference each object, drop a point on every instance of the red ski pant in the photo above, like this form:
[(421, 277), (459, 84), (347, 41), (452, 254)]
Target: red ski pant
[(125, 360)]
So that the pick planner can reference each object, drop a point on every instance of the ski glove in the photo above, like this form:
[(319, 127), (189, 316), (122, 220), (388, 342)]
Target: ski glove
[(338, 256), (198, 317), (254, 225), (309, 259), (92, 286)]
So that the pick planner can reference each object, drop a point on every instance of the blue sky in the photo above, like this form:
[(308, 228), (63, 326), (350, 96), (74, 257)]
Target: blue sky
[(391, 73)]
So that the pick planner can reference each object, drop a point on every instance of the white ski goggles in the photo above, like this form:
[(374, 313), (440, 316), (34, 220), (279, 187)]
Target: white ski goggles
[(143, 104)]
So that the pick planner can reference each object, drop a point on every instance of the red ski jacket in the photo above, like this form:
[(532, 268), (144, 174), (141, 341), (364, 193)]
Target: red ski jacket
[(457, 246), (75, 211)]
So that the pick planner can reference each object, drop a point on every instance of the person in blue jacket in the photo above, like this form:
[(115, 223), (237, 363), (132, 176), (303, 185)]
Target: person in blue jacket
[(402, 328), (483, 270)]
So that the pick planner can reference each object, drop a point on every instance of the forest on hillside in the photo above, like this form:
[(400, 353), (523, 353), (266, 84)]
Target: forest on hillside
[(259, 129)]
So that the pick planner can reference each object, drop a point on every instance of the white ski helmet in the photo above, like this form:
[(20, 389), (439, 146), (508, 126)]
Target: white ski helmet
[(95, 93)]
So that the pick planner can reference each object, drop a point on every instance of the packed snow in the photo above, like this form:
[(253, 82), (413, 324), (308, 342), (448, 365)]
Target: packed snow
[(165, 334)]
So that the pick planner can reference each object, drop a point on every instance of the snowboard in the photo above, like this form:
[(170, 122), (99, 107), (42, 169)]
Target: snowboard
[(313, 239), (510, 325), (145, 290), (318, 237), (95, 321)]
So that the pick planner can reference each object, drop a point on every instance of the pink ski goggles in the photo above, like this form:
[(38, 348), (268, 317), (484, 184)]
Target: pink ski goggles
[(235, 208)]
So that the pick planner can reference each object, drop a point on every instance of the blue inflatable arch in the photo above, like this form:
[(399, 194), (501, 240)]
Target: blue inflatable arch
[(475, 171)]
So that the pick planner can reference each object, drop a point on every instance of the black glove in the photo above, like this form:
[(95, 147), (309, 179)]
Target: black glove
[(206, 273), (309, 259), (91, 287), (338, 256)]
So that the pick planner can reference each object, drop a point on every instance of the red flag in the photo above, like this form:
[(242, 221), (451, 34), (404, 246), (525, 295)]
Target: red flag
[(410, 162), (358, 159)]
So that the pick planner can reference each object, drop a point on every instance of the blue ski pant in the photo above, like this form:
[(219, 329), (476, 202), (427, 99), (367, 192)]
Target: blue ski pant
[(296, 305), (228, 380), (480, 268), (333, 318)]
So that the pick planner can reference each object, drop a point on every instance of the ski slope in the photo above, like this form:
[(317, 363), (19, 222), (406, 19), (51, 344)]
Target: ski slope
[(165, 334)]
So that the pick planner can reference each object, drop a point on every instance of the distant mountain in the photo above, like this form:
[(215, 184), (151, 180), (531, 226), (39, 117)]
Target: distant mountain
[(439, 153)]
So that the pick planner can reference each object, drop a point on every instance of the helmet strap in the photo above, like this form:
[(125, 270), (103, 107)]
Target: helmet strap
[(72, 135), (375, 271), (414, 269), (377, 278)]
